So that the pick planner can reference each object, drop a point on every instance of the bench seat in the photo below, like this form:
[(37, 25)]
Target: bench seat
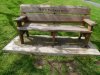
[(53, 27)]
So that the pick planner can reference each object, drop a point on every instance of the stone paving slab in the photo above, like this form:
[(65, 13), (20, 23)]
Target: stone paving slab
[(43, 45)]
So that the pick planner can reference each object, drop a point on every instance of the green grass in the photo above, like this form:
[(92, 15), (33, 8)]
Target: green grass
[(97, 1), (18, 64)]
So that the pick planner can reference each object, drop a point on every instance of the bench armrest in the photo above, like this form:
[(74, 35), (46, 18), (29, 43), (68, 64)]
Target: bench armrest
[(21, 18), (89, 22)]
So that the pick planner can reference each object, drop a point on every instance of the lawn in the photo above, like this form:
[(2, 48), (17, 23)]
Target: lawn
[(19, 64), (97, 1)]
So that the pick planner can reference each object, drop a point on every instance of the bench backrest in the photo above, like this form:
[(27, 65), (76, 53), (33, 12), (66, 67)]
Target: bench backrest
[(55, 14)]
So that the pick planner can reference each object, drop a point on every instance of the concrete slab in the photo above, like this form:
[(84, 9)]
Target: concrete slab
[(42, 44)]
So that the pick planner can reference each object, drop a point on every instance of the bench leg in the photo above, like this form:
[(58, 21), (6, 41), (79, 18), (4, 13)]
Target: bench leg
[(80, 36), (27, 33), (87, 38), (21, 37), (53, 34)]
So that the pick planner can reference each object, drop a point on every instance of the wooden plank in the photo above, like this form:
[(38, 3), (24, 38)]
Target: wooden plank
[(21, 18), (54, 9), (64, 49), (55, 18), (51, 27), (89, 22)]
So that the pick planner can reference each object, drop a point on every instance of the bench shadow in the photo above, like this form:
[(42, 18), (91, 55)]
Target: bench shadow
[(47, 41)]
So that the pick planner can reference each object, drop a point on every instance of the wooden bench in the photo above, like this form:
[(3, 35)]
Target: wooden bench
[(53, 19)]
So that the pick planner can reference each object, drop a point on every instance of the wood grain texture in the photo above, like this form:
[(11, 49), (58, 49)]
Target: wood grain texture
[(53, 27), (54, 9), (55, 18), (89, 22)]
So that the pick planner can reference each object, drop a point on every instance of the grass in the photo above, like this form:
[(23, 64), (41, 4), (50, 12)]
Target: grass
[(97, 1), (18, 64)]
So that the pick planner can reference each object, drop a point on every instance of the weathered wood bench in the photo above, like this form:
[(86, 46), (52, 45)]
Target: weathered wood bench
[(53, 19)]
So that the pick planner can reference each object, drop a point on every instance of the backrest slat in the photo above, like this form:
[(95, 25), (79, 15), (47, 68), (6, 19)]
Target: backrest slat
[(54, 9), (46, 13), (55, 18)]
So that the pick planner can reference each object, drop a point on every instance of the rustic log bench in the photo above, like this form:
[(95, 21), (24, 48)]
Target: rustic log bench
[(53, 19)]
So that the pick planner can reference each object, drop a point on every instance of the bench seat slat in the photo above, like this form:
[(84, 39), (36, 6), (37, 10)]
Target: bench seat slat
[(48, 27)]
